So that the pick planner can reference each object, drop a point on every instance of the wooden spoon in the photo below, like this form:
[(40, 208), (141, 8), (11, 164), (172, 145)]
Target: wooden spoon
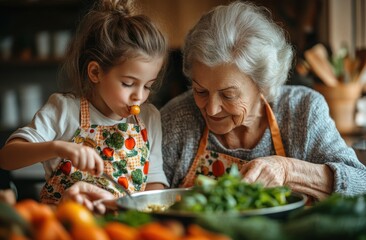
[(318, 61)]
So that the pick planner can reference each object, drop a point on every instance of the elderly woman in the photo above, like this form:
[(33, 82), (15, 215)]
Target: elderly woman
[(240, 112)]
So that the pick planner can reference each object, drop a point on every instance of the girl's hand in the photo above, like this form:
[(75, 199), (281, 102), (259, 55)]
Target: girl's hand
[(89, 195), (82, 157)]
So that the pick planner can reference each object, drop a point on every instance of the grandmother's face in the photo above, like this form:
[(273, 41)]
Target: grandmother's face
[(226, 97)]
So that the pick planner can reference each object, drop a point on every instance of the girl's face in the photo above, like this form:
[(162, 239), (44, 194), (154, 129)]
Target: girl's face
[(226, 97), (124, 85)]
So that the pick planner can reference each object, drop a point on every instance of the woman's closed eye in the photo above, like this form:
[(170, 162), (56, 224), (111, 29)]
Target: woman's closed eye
[(200, 92), (229, 94)]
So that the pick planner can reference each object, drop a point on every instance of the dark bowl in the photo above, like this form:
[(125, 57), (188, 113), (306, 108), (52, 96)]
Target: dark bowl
[(143, 200)]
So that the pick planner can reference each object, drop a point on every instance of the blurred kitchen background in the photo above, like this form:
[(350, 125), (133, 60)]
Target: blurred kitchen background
[(34, 35)]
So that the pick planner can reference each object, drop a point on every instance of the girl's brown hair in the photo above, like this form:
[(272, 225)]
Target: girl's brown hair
[(108, 34)]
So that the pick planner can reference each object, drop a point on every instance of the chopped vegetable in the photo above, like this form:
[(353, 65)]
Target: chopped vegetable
[(131, 217), (230, 193)]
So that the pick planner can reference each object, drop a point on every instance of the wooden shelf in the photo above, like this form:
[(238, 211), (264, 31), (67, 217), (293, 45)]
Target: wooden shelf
[(36, 3), (34, 62)]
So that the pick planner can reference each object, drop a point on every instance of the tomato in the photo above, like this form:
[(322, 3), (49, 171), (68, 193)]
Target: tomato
[(72, 214), (123, 181), (108, 152), (218, 168), (130, 143), (144, 134), (146, 167), (66, 167), (135, 110)]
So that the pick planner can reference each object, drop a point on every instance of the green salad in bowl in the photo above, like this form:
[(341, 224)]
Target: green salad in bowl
[(230, 193)]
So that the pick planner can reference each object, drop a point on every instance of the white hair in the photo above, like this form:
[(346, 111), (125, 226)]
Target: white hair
[(245, 35)]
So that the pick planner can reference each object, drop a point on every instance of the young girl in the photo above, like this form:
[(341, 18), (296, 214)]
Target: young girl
[(113, 62)]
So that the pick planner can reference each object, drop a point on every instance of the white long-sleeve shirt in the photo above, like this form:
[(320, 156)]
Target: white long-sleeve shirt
[(59, 118)]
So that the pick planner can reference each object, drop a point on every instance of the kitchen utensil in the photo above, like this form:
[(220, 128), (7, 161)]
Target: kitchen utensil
[(6, 47), (111, 179), (342, 101), (30, 96), (61, 41), (43, 44), (317, 58), (167, 197), (9, 109)]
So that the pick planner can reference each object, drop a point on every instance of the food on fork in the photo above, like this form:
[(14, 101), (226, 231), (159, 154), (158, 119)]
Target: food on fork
[(135, 110)]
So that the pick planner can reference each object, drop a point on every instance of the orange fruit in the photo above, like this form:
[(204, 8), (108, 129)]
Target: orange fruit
[(156, 231), (135, 110), (116, 230), (89, 232), (195, 231), (17, 236), (51, 229), (72, 214), (34, 212), (26, 207), (42, 213)]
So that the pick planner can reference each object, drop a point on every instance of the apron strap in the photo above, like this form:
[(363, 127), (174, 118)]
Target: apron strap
[(275, 130), (203, 142), (84, 113)]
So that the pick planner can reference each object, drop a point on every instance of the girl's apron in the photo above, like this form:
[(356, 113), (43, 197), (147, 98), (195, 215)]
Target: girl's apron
[(124, 148), (214, 164)]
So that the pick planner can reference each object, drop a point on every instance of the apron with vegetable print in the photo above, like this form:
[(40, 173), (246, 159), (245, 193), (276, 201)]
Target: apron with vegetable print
[(124, 149), (214, 164)]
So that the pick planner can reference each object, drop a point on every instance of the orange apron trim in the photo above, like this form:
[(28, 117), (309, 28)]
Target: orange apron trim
[(275, 130)]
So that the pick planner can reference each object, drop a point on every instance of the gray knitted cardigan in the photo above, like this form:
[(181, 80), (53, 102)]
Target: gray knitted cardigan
[(308, 133)]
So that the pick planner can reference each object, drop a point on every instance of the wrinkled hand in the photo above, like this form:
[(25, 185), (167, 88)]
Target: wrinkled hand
[(89, 195), (82, 157), (271, 171)]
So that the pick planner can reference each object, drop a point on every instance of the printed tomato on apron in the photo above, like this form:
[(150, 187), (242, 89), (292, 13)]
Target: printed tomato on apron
[(124, 148)]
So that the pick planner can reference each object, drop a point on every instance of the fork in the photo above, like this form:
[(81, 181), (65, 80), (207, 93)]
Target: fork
[(111, 179)]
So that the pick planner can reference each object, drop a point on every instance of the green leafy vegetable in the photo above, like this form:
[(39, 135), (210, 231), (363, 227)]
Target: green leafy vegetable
[(132, 218), (230, 193)]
